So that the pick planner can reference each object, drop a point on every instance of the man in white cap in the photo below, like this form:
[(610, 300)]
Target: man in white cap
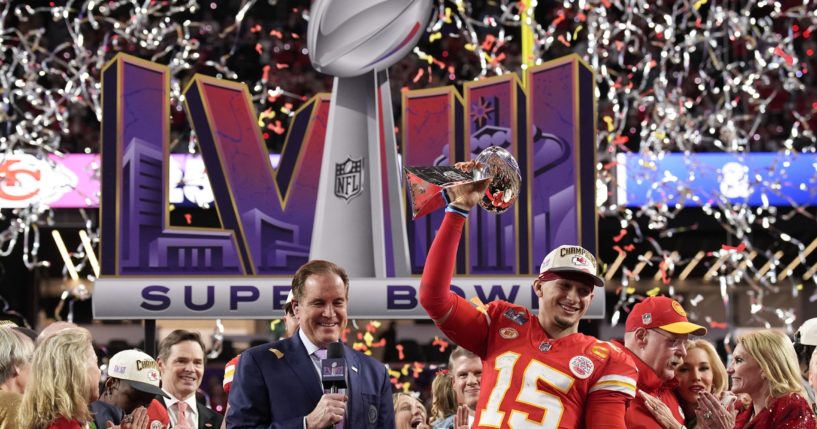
[(805, 344), (536, 367), (132, 384)]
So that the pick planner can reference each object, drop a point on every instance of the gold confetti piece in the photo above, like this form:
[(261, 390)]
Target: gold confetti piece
[(266, 114), (609, 121)]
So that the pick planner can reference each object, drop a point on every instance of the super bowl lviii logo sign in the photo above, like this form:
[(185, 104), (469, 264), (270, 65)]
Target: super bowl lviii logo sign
[(275, 219)]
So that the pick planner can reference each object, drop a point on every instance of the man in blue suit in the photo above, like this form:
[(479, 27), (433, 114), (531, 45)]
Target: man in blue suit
[(277, 385)]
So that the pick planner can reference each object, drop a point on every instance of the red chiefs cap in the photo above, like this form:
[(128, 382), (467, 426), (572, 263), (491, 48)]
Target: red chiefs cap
[(664, 313)]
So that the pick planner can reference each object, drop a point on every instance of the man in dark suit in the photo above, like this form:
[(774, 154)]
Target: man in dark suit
[(181, 362), (277, 385)]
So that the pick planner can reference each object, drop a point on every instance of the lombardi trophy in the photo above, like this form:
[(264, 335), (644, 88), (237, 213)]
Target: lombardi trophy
[(360, 215)]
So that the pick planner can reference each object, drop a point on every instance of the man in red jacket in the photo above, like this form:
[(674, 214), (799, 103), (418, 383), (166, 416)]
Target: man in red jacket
[(656, 334), (538, 369)]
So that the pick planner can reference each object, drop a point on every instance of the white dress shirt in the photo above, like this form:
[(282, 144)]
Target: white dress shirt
[(192, 410)]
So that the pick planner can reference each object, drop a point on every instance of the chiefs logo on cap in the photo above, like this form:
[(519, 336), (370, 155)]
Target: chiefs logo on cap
[(678, 309), (153, 375)]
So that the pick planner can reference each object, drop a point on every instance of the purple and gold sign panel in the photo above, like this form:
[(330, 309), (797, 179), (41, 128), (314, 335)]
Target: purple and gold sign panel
[(243, 270)]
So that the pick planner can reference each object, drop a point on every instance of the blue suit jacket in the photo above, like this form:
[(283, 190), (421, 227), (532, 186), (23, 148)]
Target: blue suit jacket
[(276, 385)]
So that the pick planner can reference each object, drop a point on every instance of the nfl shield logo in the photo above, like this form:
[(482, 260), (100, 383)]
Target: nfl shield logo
[(349, 178)]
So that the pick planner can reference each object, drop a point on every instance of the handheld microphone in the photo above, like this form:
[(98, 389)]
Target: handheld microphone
[(333, 368)]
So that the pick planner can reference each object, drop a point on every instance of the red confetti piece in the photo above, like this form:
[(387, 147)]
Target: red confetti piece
[(419, 74), (663, 268), (400, 354), (381, 343), (255, 28), (781, 53), (277, 34), (189, 218), (559, 18), (265, 75), (277, 128), (443, 344), (620, 235), (620, 140), (281, 66), (718, 325), (259, 48), (417, 369), (489, 42), (739, 248)]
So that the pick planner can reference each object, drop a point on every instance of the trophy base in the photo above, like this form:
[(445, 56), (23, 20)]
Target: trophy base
[(427, 185)]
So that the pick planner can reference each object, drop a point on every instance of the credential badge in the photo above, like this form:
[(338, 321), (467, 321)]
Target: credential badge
[(349, 178)]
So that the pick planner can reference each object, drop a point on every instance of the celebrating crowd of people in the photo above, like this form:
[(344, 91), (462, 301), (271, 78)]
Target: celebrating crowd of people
[(512, 368)]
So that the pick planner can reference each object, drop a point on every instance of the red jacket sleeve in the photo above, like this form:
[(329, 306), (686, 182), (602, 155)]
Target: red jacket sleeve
[(605, 410), (456, 317)]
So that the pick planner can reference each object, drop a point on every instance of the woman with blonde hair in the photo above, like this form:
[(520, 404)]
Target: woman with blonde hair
[(443, 398), (764, 367), (702, 371), (409, 412), (16, 350), (64, 380)]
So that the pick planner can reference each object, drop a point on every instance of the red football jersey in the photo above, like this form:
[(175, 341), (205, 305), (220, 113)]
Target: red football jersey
[(157, 416), (532, 381)]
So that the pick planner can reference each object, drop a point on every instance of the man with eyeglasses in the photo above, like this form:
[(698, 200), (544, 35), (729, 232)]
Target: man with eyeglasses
[(657, 330)]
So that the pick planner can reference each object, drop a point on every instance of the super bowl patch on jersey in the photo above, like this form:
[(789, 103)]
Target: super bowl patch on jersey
[(581, 366), (517, 317)]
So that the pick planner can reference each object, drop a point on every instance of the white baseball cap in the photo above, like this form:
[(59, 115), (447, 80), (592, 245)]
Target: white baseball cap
[(808, 332), (137, 369), (571, 259)]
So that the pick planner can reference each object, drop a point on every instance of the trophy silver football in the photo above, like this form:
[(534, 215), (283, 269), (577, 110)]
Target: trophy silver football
[(427, 184), (506, 180)]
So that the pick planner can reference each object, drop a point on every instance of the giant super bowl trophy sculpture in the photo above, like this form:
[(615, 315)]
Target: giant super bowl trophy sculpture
[(360, 216)]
